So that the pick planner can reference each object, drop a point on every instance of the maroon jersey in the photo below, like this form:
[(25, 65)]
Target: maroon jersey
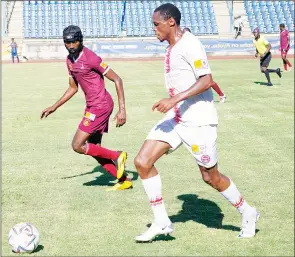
[(89, 70), (284, 40)]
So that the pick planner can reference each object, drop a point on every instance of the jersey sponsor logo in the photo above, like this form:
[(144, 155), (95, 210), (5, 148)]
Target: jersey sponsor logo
[(86, 122), (201, 64), (90, 116), (103, 65), (205, 158)]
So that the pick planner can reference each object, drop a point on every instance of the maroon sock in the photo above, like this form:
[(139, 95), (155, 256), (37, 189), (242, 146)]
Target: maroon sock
[(217, 89), (109, 166), (285, 67), (99, 151), (287, 61)]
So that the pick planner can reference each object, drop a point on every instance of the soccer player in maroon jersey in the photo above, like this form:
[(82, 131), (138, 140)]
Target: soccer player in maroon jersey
[(285, 46), (214, 85), (88, 70)]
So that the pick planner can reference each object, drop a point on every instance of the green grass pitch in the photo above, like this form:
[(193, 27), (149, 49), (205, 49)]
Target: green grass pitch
[(64, 194)]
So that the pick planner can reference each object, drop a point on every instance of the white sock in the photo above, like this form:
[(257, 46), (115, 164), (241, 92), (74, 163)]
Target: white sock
[(153, 189), (233, 195)]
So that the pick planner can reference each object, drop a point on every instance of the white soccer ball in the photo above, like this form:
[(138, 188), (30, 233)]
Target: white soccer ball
[(24, 238)]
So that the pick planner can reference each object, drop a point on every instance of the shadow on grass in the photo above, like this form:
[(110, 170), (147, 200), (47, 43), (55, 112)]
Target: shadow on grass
[(159, 238), (105, 179), (38, 249), (260, 83), (201, 211)]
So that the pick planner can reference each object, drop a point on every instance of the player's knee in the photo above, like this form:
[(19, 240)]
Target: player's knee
[(206, 178), (211, 178), (77, 147), (141, 163)]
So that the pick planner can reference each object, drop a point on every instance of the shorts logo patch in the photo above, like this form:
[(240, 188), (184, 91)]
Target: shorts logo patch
[(195, 148), (199, 149), (90, 116), (201, 64), (86, 122), (103, 65), (205, 158)]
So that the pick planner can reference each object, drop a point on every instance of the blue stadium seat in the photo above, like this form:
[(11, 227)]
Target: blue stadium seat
[(272, 13), (48, 18)]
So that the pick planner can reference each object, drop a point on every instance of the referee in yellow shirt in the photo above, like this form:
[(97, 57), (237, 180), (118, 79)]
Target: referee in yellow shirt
[(263, 49)]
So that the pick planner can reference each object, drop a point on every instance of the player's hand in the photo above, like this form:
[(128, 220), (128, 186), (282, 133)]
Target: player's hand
[(256, 55), (47, 112), (164, 105), (120, 118)]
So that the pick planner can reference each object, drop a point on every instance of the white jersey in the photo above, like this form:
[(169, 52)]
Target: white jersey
[(185, 62)]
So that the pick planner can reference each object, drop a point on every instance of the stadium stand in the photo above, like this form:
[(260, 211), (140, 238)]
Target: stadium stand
[(267, 15), (46, 19)]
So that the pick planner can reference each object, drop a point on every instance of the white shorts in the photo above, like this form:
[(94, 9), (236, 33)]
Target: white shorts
[(200, 141)]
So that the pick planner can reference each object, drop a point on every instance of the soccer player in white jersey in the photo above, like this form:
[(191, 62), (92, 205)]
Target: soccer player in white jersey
[(191, 120)]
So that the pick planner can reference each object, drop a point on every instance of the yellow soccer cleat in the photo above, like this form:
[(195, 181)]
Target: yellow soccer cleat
[(127, 184), (120, 164)]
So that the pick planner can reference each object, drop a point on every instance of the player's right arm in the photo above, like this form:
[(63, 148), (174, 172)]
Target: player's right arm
[(73, 89), (257, 53), (196, 58)]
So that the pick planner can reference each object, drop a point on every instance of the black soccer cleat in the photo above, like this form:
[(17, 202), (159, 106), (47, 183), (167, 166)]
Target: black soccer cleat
[(279, 72)]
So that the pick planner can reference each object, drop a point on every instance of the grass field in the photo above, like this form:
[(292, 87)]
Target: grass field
[(64, 194)]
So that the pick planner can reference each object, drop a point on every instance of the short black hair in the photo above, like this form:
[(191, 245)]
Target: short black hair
[(282, 25), (169, 11)]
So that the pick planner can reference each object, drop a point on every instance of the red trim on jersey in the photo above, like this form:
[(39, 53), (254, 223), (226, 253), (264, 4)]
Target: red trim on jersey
[(167, 60), (175, 108)]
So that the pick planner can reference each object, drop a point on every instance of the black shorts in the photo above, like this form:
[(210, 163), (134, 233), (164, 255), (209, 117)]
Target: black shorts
[(264, 62)]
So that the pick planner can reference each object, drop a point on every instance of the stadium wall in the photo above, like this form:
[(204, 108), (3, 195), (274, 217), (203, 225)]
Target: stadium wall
[(44, 50)]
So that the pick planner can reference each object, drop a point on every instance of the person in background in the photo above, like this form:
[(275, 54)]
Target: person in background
[(285, 46), (263, 50), (13, 46), (238, 24)]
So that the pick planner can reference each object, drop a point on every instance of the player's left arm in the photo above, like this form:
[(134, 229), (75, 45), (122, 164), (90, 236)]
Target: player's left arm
[(197, 59), (98, 64), (288, 37), (121, 114)]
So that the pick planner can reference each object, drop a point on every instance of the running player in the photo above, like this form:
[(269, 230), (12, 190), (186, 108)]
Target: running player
[(263, 50), (191, 119), (88, 70), (285, 46)]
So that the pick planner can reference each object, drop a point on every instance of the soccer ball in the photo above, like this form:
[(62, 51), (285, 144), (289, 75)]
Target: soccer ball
[(24, 238)]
